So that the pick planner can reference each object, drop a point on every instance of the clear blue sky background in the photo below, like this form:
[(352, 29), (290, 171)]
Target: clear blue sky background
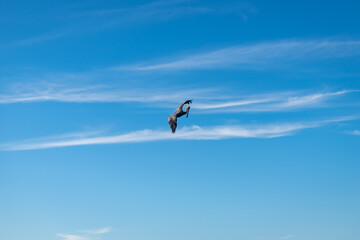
[(270, 150)]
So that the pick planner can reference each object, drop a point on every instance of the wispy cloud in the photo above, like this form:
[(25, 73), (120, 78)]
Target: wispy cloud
[(208, 100), (355, 132), (162, 10), (272, 102), (193, 133), (97, 231), (307, 100), (230, 104), (39, 39), (59, 93), (72, 237), (154, 10), (255, 56), (99, 18), (87, 234)]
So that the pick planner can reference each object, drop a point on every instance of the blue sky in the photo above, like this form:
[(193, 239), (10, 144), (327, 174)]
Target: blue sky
[(270, 150)]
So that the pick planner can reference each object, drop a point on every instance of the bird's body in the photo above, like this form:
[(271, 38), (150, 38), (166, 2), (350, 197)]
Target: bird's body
[(179, 112)]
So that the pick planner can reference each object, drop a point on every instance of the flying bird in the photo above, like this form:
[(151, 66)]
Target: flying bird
[(172, 120)]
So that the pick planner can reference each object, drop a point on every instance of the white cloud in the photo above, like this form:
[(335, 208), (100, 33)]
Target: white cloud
[(97, 231), (311, 100), (193, 133), (229, 104), (272, 102), (72, 237), (87, 234), (38, 39), (157, 10), (164, 10), (355, 132), (256, 56), (95, 18), (59, 93), (208, 100)]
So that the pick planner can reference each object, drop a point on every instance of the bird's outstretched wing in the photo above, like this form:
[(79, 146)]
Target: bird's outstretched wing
[(187, 111), (173, 124)]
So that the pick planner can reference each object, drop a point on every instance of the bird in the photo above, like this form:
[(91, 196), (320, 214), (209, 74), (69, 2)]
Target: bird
[(172, 120)]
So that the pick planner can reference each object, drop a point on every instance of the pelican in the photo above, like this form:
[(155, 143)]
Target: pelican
[(172, 120)]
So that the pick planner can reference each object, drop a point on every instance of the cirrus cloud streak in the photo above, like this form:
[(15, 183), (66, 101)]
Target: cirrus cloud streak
[(206, 100), (256, 56), (192, 133)]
